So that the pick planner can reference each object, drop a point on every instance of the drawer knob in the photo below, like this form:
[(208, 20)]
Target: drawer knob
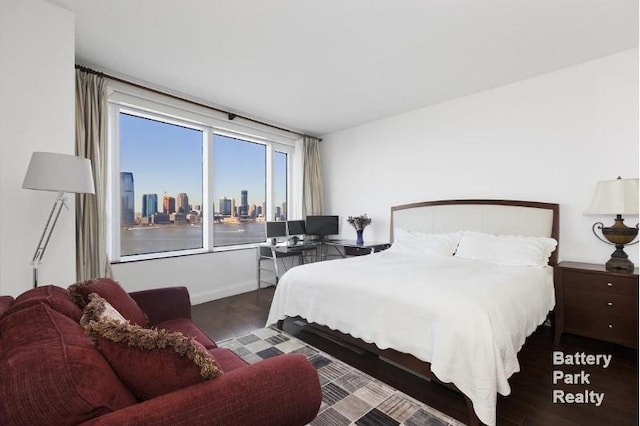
[(610, 325), (609, 285), (609, 303)]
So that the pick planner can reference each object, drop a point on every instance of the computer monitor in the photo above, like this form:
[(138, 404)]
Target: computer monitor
[(322, 225), (296, 227), (275, 230)]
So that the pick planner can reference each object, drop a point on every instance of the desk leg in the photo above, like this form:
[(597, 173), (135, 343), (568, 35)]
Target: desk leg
[(258, 272), (275, 263)]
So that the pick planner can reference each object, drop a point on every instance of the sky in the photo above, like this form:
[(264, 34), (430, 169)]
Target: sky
[(166, 158)]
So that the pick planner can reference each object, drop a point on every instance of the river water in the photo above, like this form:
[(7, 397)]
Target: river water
[(142, 240)]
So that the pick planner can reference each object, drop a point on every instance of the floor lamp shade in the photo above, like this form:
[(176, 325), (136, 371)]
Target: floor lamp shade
[(59, 173), (616, 197), (50, 171)]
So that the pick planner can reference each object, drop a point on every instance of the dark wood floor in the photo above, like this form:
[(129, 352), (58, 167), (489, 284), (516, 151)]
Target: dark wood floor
[(530, 402)]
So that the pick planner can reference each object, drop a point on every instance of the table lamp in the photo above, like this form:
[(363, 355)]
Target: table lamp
[(616, 197), (59, 173)]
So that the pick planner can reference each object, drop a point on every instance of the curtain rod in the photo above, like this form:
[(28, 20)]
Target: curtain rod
[(230, 115)]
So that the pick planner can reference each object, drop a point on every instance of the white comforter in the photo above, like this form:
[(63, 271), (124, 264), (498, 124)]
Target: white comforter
[(467, 318)]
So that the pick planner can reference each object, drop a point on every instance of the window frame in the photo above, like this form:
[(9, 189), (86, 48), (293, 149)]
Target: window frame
[(154, 106)]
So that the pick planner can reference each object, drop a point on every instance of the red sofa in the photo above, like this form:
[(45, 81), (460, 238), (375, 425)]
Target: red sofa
[(52, 373)]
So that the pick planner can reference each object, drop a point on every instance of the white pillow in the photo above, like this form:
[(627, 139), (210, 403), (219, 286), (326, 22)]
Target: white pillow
[(425, 244), (506, 249)]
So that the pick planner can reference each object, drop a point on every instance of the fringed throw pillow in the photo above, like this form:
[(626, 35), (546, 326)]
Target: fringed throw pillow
[(153, 362)]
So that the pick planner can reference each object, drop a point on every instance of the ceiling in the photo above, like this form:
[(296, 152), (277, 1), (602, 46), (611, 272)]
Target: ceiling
[(320, 66)]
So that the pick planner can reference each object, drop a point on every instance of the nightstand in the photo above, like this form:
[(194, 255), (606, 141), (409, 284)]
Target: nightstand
[(596, 303)]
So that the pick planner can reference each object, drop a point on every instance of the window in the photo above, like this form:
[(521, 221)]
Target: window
[(160, 186), (280, 186), (239, 185), (184, 182)]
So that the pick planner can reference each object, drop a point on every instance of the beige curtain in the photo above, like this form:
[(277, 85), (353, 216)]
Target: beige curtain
[(91, 143), (312, 191)]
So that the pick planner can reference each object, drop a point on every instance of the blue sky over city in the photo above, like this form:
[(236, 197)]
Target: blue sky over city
[(166, 158)]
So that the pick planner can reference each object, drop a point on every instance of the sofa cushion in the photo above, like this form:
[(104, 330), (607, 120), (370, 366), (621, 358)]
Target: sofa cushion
[(188, 328), (51, 372), (227, 359), (153, 362), (58, 298), (113, 293), (5, 302)]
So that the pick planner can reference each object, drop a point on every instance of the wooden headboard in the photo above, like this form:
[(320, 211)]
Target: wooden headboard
[(500, 217)]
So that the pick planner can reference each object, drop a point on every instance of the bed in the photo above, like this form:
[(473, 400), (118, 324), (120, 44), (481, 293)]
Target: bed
[(461, 318)]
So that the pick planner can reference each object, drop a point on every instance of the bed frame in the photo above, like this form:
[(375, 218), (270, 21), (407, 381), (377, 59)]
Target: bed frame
[(501, 217)]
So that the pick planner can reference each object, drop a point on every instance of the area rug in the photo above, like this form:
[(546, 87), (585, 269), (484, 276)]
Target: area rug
[(349, 396)]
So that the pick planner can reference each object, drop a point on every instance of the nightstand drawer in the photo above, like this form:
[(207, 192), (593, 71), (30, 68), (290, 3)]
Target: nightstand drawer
[(601, 283), (601, 302), (603, 326)]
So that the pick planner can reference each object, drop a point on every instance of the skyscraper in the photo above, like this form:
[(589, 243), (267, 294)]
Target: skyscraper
[(149, 204), (127, 203), (225, 206), (168, 205), (182, 203), (244, 202)]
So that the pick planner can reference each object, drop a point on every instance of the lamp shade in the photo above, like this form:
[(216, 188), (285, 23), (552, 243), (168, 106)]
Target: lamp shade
[(50, 171), (618, 196)]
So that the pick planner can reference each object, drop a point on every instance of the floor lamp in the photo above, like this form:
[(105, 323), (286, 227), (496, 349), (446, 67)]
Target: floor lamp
[(59, 173)]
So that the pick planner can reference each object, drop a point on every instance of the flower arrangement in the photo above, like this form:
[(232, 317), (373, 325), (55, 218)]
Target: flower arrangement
[(359, 222)]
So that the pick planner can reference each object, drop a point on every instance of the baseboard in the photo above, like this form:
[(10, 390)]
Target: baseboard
[(198, 297)]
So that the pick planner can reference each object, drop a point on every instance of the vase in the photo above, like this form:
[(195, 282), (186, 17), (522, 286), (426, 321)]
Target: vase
[(359, 239)]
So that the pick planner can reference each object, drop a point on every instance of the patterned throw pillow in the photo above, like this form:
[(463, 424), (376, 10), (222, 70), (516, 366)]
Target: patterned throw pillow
[(99, 309), (113, 293), (152, 362)]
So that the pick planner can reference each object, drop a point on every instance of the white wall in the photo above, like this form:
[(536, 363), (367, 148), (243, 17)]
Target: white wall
[(208, 276), (37, 114), (549, 138), (37, 104)]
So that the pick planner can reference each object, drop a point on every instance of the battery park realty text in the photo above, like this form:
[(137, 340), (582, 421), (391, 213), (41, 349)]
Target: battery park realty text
[(585, 395)]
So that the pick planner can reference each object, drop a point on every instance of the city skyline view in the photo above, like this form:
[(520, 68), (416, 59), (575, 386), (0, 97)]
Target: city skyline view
[(167, 159), (161, 183), (194, 206)]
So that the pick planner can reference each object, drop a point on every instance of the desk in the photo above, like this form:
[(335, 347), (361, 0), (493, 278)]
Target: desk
[(280, 251), (316, 250)]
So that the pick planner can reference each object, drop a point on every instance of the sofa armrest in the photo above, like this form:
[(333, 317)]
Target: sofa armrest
[(162, 304), (283, 390)]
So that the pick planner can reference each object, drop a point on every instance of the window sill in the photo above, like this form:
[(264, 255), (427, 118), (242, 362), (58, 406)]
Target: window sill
[(171, 254)]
